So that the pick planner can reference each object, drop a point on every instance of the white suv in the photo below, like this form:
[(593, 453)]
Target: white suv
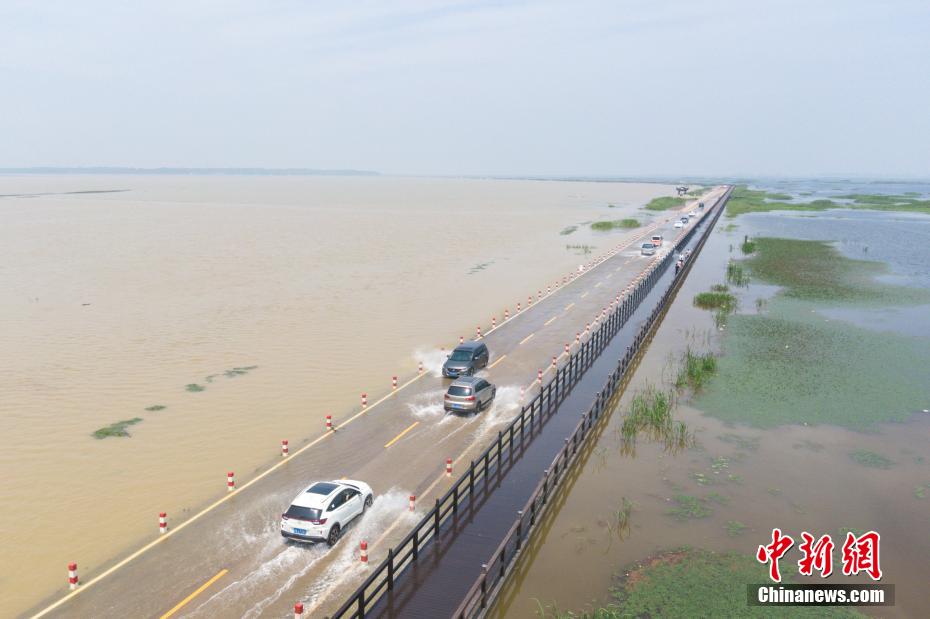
[(322, 511)]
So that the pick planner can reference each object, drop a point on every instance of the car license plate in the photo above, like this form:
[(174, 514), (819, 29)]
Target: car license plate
[(300, 531), (454, 405)]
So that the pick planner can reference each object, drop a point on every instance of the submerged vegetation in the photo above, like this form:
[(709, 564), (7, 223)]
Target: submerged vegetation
[(605, 226), (581, 250), (194, 387), (568, 230), (791, 365), (155, 408), (715, 300), (689, 508), (870, 459), (691, 582), (664, 203), (745, 200), (117, 429)]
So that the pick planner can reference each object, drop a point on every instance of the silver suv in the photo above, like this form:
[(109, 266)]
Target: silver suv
[(466, 359), (469, 394), (648, 249)]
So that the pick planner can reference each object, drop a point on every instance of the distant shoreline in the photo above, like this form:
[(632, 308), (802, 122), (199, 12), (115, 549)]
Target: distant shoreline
[(190, 171)]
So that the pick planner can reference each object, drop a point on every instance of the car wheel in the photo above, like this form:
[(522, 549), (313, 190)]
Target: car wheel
[(334, 533), (368, 501)]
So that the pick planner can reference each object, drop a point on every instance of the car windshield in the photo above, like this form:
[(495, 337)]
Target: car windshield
[(459, 390), (302, 513), (647, 245), (461, 355)]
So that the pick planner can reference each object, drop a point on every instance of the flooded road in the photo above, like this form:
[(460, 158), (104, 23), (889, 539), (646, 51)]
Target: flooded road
[(742, 479), (240, 310)]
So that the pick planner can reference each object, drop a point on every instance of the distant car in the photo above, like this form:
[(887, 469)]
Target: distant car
[(684, 220), (657, 240), (466, 359), (693, 214), (469, 394), (701, 206), (648, 249), (678, 224), (322, 511)]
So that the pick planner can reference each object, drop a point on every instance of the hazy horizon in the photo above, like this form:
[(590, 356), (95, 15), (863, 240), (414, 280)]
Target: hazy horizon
[(718, 89)]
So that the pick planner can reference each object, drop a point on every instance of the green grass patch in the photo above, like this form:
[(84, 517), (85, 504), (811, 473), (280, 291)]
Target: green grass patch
[(568, 230), (735, 528), (689, 508), (696, 370), (870, 459), (715, 300), (194, 387), (606, 226), (736, 275), (665, 202), (154, 408), (748, 246), (581, 250), (117, 429)]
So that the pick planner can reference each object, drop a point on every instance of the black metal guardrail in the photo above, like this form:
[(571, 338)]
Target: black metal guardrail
[(512, 439)]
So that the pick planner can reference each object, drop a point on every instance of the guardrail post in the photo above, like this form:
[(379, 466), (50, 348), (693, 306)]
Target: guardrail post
[(519, 529), (484, 585), (390, 569), (436, 521), (545, 493), (471, 483), (500, 444), (455, 500), (416, 543)]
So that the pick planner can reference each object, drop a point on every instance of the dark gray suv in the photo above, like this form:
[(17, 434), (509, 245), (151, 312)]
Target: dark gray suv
[(465, 360)]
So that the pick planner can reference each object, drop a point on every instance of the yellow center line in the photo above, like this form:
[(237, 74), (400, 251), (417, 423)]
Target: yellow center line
[(569, 306), (523, 341), (550, 321), (498, 361), (199, 590), (399, 436)]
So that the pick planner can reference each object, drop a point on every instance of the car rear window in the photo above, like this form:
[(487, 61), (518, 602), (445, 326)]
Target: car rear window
[(647, 245), (657, 238), (302, 513), (457, 390), (323, 487)]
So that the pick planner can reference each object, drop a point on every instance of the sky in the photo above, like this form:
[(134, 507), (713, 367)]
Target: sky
[(575, 88)]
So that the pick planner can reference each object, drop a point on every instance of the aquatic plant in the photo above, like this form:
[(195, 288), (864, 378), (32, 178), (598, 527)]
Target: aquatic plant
[(718, 498), (689, 508), (117, 429), (691, 582), (651, 413), (736, 275), (194, 387), (748, 443), (665, 202), (604, 226), (155, 407), (735, 528), (745, 200), (581, 249), (870, 459), (748, 246), (568, 230), (715, 300), (696, 370)]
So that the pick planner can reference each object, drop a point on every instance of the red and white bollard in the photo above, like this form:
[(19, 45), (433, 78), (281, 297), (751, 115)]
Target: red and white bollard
[(478, 333), (298, 610), (393, 383), (539, 377), (554, 360), (230, 481), (548, 289), (566, 349), (363, 552), (461, 339), (518, 307), (72, 576), (522, 393), (420, 368), (506, 314), (162, 523), (493, 322), (413, 502), (329, 418), (364, 400), (448, 467), (587, 327), (284, 448), (577, 337)]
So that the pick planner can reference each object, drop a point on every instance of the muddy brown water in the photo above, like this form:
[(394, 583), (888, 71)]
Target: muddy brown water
[(797, 477), (113, 302)]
